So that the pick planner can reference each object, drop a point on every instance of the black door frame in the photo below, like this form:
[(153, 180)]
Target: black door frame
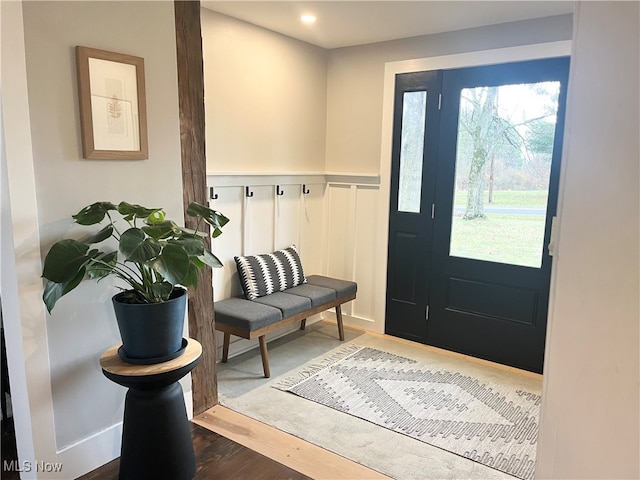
[(529, 67)]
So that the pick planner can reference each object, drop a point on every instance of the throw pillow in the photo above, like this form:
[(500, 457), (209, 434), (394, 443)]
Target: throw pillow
[(264, 274)]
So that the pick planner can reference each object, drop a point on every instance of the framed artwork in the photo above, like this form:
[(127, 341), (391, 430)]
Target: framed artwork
[(113, 113)]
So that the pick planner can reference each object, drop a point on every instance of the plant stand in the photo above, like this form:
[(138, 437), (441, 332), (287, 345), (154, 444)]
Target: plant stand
[(156, 438)]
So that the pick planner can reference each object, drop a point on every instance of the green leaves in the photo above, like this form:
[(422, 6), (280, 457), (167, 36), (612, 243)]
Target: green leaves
[(102, 265), (93, 213), (151, 259), (212, 217), (160, 230), (192, 246), (210, 259), (129, 211), (53, 291), (102, 235), (64, 260), (162, 290), (66, 265), (137, 247), (173, 264)]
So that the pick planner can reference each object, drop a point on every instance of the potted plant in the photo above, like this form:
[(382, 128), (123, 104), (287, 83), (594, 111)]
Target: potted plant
[(155, 260)]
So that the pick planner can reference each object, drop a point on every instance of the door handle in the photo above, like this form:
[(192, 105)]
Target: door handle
[(553, 237)]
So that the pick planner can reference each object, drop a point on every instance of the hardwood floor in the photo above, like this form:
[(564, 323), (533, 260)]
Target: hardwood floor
[(302, 456), (218, 457), (231, 446)]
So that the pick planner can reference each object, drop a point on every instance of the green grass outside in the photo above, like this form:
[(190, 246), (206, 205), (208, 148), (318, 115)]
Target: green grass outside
[(508, 198), (514, 239)]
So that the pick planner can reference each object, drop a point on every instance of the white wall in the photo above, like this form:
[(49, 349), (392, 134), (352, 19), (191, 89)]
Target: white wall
[(18, 221), (265, 107), (589, 426), (60, 353), (265, 99), (359, 132), (74, 408), (355, 205), (591, 412), (356, 82)]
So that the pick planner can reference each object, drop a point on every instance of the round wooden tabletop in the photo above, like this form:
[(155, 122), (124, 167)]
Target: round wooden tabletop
[(111, 362)]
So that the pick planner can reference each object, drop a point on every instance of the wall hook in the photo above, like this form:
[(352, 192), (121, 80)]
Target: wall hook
[(212, 196), (278, 191), (305, 190), (247, 192)]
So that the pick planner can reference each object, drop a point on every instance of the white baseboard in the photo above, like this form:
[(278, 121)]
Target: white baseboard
[(97, 450), (354, 322), (88, 454)]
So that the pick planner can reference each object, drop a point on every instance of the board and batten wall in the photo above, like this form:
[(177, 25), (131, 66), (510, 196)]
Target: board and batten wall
[(266, 221), (66, 410), (264, 90)]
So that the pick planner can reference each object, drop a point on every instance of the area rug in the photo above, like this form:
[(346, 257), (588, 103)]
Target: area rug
[(479, 420)]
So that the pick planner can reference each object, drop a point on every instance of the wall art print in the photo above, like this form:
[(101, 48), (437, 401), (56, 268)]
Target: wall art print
[(111, 89)]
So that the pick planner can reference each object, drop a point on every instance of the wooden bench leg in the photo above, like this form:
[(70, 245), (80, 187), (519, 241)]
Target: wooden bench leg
[(339, 318), (265, 356), (225, 347), (303, 323)]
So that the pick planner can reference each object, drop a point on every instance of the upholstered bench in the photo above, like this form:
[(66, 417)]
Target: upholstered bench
[(281, 302)]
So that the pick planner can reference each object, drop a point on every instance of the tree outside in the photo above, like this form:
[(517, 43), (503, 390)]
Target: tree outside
[(505, 145), (412, 149)]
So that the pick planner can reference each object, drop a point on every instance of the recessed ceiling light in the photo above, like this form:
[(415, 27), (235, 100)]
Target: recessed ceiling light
[(308, 18)]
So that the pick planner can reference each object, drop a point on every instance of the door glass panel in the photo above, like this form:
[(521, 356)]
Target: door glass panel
[(503, 163), (412, 144)]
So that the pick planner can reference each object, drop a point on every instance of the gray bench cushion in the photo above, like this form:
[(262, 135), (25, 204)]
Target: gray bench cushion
[(318, 295), (289, 305), (342, 287), (245, 314)]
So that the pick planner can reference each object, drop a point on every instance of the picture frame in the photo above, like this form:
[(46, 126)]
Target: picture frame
[(113, 113)]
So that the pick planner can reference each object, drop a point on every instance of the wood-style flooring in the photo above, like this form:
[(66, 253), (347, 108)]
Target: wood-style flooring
[(231, 446), (302, 456), (219, 458)]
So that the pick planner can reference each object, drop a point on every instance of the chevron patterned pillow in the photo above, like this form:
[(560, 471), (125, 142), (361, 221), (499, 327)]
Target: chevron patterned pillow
[(264, 274)]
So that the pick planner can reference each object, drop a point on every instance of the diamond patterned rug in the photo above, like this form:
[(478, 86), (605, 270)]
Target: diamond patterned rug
[(484, 422)]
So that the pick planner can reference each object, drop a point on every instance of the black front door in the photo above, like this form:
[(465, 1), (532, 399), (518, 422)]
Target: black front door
[(413, 173), (469, 269)]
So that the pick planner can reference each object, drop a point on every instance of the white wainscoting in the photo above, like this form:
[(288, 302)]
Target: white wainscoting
[(330, 217)]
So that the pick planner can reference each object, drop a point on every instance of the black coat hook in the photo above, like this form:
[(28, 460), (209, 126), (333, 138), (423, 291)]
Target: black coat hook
[(247, 192), (212, 196), (278, 191), (305, 190)]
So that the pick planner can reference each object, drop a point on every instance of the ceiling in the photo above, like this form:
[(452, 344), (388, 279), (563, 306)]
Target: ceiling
[(348, 23)]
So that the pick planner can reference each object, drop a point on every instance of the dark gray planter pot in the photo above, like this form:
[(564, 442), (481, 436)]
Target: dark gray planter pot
[(151, 332)]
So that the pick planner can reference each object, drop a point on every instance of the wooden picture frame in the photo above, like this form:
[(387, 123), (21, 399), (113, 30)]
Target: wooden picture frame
[(113, 113)]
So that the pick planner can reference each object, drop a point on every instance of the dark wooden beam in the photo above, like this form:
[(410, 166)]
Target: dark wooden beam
[(194, 183)]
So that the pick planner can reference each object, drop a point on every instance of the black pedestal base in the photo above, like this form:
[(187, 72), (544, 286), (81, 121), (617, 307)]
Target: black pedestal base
[(156, 439), (156, 436)]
